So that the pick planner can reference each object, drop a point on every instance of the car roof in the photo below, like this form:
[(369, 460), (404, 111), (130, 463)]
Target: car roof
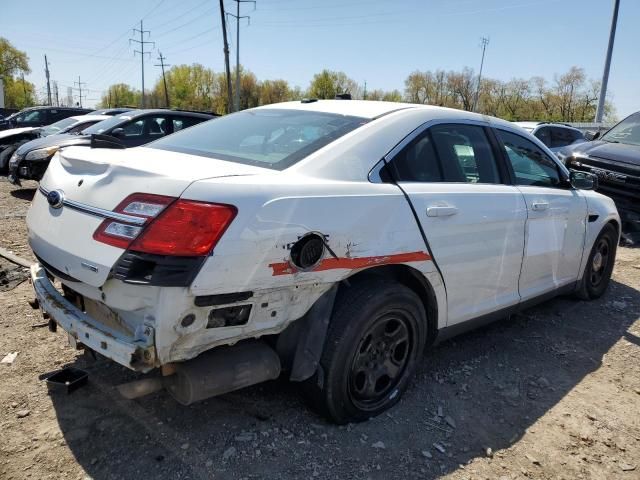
[(528, 125), (137, 113), (84, 118), (371, 109)]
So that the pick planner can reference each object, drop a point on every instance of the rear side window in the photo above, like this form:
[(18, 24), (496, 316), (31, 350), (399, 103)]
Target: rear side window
[(180, 123), (448, 153), (530, 164), (270, 138)]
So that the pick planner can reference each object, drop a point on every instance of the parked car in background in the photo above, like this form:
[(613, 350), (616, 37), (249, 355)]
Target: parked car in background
[(112, 111), (11, 139), (334, 240), (131, 129), (40, 116), (553, 135), (614, 157)]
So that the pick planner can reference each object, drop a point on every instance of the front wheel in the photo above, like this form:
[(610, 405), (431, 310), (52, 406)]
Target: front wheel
[(597, 272), (376, 337)]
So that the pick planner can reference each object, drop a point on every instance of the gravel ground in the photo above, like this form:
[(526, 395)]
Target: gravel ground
[(552, 393)]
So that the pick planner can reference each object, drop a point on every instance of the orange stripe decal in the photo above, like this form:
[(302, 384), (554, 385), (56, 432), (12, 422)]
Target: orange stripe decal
[(285, 268)]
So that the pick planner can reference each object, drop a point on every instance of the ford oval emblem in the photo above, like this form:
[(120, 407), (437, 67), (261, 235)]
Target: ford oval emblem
[(55, 198)]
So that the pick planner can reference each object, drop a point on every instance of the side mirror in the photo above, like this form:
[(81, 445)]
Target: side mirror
[(117, 132), (592, 135), (583, 180)]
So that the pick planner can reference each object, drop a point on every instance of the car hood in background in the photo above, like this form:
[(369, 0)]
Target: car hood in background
[(15, 131), (618, 152), (59, 140)]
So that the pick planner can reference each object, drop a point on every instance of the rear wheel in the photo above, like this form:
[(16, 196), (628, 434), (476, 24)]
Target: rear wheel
[(597, 272), (376, 337)]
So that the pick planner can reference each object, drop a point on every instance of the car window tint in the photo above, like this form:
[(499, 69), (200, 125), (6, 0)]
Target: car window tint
[(133, 129), (81, 126), (31, 117), (465, 154), (544, 135), (530, 164), (560, 137), (417, 162), (180, 123)]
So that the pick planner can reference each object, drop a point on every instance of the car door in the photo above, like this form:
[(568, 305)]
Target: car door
[(473, 222), (556, 217)]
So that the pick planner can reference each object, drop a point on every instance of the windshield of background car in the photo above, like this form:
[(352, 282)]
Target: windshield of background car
[(627, 131), (105, 125), (270, 138), (58, 126)]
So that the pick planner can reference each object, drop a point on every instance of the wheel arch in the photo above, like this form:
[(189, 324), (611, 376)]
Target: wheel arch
[(412, 279)]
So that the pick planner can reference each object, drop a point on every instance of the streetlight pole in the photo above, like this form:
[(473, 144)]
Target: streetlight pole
[(607, 63)]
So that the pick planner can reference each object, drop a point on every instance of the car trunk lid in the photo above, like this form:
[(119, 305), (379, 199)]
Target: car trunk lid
[(95, 181)]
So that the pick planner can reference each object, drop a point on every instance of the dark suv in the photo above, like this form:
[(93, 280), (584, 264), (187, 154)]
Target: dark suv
[(40, 116), (614, 158), (130, 129)]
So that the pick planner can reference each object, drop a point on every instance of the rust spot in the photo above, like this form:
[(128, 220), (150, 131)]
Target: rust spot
[(285, 268)]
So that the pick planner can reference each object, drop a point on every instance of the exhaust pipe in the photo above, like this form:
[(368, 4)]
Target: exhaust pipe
[(222, 370)]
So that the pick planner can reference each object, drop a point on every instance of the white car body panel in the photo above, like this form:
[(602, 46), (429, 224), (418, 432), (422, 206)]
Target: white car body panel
[(4, 134), (365, 224)]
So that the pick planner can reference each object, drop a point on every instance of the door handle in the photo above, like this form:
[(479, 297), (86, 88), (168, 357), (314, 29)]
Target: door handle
[(539, 206), (441, 211)]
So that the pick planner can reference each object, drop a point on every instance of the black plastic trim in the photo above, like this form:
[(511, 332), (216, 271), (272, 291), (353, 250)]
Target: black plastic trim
[(221, 299)]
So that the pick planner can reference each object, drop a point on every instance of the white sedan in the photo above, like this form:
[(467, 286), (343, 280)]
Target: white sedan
[(331, 240)]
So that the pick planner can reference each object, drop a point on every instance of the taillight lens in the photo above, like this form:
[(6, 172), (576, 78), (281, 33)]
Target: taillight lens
[(172, 226), (186, 228)]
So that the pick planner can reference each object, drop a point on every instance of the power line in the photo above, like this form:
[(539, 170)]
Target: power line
[(183, 15), (199, 17), (164, 78), (79, 83), (142, 43), (483, 43), (238, 17)]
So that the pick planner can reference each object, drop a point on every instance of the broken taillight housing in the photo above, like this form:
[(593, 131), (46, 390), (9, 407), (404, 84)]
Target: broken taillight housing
[(172, 226)]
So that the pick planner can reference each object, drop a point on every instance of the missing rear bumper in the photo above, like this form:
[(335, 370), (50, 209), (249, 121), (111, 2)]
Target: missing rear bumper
[(134, 353)]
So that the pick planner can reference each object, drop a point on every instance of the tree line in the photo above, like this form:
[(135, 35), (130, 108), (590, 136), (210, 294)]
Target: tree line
[(568, 97)]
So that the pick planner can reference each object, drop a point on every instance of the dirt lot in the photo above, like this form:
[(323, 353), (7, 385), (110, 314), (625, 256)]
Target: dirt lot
[(553, 393)]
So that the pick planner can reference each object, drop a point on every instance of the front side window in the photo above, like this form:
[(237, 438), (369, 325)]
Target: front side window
[(544, 135), (560, 137), (34, 116), (627, 131), (270, 138), (530, 164)]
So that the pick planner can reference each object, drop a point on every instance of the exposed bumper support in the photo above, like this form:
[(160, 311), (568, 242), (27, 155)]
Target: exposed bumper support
[(137, 354)]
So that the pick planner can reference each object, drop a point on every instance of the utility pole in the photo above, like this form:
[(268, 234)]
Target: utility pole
[(79, 83), (142, 43), (364, 95), (226, 57), (483, 43), (46, 71), (607, 63), (238, 17), (24, 88), (164, 79), (55, 89)]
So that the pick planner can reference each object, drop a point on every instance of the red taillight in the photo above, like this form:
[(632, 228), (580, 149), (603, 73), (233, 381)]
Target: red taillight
[(186, 228), (170, 226)]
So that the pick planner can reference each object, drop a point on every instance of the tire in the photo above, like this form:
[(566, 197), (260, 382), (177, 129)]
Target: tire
[(376, 336), (597, 272), (5, 155)]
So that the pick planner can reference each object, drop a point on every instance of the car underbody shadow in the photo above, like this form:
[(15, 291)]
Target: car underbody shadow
[(481, 390), (24, 193)]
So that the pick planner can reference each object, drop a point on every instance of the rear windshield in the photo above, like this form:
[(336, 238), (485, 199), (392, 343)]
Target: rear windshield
[(58, 126), (270, 138)]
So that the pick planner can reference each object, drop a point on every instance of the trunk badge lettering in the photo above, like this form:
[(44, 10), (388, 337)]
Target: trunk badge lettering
[(88, 266), (55, 198)]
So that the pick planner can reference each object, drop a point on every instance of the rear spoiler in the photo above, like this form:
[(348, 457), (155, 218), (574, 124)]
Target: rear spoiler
[(105, 141)]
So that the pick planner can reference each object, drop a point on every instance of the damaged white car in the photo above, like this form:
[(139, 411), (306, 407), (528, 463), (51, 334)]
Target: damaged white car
[(329, 240)]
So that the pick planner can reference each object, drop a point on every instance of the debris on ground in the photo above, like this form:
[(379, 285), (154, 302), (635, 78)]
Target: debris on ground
[(9, 358)]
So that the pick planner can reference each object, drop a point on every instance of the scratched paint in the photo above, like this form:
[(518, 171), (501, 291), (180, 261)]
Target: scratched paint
[(285, 268)]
